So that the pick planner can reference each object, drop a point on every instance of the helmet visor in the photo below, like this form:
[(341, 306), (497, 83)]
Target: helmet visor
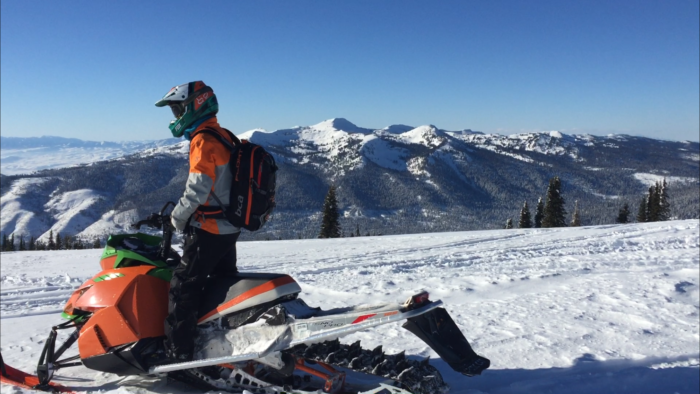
[(178, 109)]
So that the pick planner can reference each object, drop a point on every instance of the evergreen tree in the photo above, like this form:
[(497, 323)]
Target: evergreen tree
[(330, 225), (576, 217), (664, 203), (32, 243), (357, 230), (96, 244), (623, 215), (509, 223), (642, 212), (67, 242), (59, 241), (4, 242), (525, 221), (11, 246), (653, 203), (554, 212), (22, 245), (51, 245), (539, 213)]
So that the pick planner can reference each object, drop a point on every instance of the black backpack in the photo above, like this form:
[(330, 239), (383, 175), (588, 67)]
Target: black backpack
[(252, 196)]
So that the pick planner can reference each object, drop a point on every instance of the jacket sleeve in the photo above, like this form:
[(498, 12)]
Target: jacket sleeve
[(200, 179)]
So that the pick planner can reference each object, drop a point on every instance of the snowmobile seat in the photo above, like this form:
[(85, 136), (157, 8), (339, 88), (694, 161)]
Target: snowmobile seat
[(225, 295)]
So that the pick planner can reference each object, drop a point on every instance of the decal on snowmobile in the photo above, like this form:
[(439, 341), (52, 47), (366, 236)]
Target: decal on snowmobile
[(271, 290), (108, 277)]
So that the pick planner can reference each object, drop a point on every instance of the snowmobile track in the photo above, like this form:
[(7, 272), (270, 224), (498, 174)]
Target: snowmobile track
[(419, 377)]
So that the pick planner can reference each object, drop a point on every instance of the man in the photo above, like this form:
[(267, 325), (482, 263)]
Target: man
[(210, 240)]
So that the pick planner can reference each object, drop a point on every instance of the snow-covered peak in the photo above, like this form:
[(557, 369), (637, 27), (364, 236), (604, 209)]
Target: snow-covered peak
[(551, 143), (397, 129), (339, 124), (427, 135)]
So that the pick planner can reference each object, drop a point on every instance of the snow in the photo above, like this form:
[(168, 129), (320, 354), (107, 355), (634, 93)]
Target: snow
[(110, 222), (18, 208), (692, 156), (27, 155), (548, 143), (650, 179), (384, 154), (339, 124), (70, 209), (74, 212), (600, 309), (423, 135), (397, 129)]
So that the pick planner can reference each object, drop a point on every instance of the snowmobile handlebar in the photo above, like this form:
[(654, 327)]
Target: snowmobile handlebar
[(156, 220), (160, 220)]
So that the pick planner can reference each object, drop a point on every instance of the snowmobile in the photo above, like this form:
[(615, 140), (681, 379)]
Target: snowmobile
[(254, 332)]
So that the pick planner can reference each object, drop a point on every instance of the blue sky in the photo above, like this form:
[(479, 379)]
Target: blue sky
[(93, 69)]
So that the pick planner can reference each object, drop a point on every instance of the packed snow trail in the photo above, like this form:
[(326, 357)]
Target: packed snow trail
[(605, 309)]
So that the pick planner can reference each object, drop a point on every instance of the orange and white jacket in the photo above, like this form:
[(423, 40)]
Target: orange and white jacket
[(209, 171)]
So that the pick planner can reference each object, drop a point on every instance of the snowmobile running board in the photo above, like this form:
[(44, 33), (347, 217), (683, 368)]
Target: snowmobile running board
[(285, 341)]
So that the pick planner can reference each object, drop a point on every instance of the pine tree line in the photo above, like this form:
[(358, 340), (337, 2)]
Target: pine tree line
[(58, 242), (655, 206), (550, 213)]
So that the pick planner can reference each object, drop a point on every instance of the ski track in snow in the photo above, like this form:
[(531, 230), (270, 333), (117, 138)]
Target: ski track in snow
[(602, 309)]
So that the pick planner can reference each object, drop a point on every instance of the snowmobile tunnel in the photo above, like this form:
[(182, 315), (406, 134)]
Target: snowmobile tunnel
[(224, 295)]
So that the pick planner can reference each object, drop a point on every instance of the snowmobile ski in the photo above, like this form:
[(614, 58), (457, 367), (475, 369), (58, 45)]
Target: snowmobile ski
[(15, 377)]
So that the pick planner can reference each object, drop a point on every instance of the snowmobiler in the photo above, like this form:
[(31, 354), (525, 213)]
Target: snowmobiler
[(254, 332), (210, 239)]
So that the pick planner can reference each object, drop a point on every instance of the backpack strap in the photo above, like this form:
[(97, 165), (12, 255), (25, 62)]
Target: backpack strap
[(236, 142), (212, 132)]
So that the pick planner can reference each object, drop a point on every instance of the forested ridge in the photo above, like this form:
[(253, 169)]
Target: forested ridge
[(454, 184)]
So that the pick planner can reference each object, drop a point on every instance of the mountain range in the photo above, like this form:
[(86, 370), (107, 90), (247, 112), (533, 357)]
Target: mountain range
[(399, 179)]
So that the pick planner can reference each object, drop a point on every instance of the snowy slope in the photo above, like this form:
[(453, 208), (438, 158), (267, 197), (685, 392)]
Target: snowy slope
[(334, 140), (22, 208), (27, 155), (603, 309), (387, 178)]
